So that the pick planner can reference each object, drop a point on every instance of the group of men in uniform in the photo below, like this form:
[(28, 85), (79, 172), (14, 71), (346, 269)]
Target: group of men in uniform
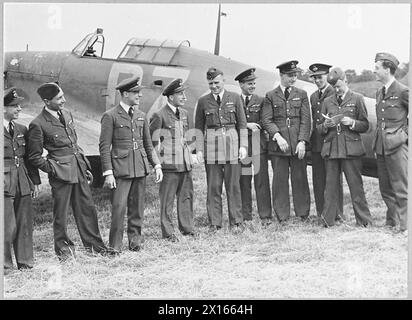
[(236, 136)]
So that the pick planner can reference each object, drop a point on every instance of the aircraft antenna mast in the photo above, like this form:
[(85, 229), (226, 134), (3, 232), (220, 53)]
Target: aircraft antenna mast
[(217, 41)]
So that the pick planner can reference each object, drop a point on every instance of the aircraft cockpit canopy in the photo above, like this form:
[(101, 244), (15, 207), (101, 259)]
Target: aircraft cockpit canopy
[(91, 46), (152, 51)]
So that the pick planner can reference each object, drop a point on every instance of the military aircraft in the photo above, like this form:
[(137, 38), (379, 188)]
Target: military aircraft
[(89, 80)]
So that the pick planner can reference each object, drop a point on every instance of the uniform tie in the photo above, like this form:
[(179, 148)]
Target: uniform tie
[(61, 117), (11, 128), (319, 94), (383, 91), (177, 113), (247, 100), (131, 112), (287, 93), (218, 100), (339, 100)]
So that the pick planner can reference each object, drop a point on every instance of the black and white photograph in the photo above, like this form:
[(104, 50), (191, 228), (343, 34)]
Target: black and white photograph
[(205, 151)]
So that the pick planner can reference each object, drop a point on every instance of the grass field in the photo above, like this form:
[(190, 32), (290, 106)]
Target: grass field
[(296, 260)]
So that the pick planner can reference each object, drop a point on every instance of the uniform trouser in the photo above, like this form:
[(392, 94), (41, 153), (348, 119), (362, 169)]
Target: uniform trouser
[(79, 197), (352, 170), (215, 175), (262, 188), (18, 230), (179, 185), (319, 182), (280, 186), (128, 197), (393, 184)]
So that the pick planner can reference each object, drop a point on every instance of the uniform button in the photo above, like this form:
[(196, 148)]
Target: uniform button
[(383, 101), (318, 111), (383, 118), (134, 139), (383, 109), (317, 120), (14, 148), (221, 117), (132, 130), (247, 116), (318, 102)]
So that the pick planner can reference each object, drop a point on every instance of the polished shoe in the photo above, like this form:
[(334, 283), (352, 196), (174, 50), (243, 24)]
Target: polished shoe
[(214, 228), (266, 222), (23, 266), (172, 238), (238, 228), (136, 244), (66, 254), (190, 234)]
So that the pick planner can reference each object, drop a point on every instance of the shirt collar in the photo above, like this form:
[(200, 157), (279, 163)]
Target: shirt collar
[(244, 97), (125, 106), (52, 112), (283, 88), (220, 95), (171, 107), (344, 94), (324, 88), (6, 124), (389, 83)]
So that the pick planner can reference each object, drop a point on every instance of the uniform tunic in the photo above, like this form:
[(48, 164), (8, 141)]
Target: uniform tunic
[(343, 148), (316, 143), (291, 119), (19, 180), (391, 147), (126, 149), (66, 166), (224, 131), (258, 155), (169, 139)]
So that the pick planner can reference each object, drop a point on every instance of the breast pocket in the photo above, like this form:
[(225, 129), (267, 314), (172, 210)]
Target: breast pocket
[(211, 118), (230, 114), (278, 110), (393, 112), (254, 113), (122, 130), (350, 111)]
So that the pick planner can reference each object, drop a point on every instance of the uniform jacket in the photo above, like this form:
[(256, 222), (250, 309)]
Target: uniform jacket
[(316, 139), (173, 151), (291, 118), (224, 127), (252, 112), (392, 118), (17, 169), (125, 144), (64, 154), (341, 141)]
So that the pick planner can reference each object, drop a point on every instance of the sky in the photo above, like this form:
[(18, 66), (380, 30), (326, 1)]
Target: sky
[(262, 35)]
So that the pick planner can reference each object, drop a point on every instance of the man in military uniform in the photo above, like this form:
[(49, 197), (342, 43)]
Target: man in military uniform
[(221, 120), (391, 140), (68, 170), (257, 152), (319, 74), (21, 183), (168, 128), (345, 117), (126, 150), (286, 116)]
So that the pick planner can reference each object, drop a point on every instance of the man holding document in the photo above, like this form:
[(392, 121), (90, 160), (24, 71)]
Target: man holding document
[(345, 117)]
